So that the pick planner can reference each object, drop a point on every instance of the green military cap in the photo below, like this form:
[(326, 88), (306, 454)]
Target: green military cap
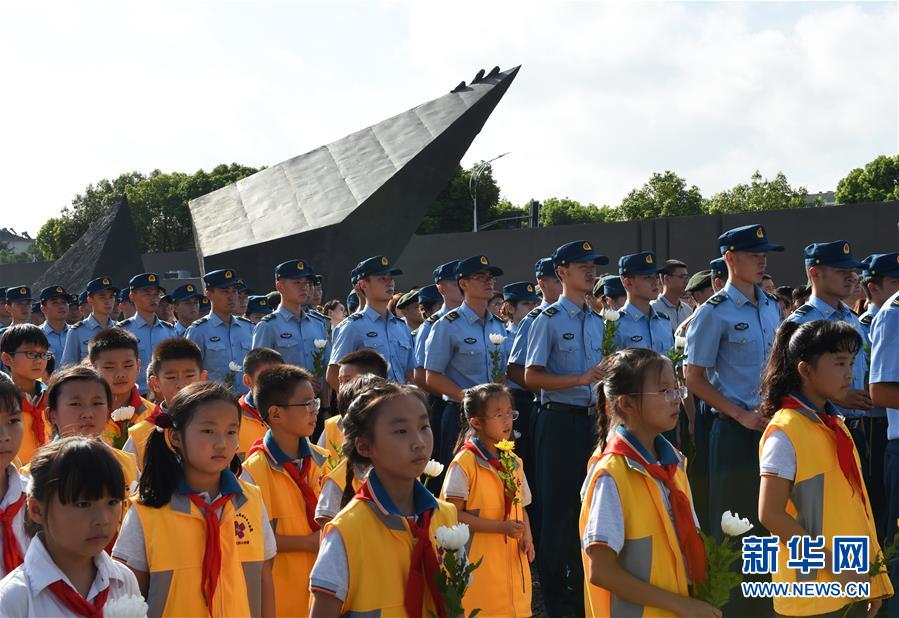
[(408, 298), (699, 281)]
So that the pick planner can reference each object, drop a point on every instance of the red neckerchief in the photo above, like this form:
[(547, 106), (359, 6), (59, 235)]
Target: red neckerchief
[(136, 402), (12, 554), (76, 603), (299, 477), (684, 526), (36, 410), (249, 410), (212, 554), (423, 568), (845, 446), (155, 413), (496, 465)]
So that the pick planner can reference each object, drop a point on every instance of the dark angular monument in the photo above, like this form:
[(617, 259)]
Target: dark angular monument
[(108, 248), (362, 195)]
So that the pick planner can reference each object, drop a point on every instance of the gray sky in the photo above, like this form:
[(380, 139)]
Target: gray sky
[(607, 95)]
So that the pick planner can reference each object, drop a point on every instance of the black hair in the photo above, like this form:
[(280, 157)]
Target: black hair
[(355, 385), (794, 343), (367, 361), (670, 266), (111, 339), (768, 277), (275, 385), (74, 468), (359, 421), (427, 308), (801, 294), (274, 299), (10, 396), (623, 373), (174, 348), (74, 373), (474, 405), (258, 357), (161, 469), (331, 305), (20, 334)]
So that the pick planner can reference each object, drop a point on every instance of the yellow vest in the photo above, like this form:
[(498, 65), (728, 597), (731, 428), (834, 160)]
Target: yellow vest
[(338, 476), (501, 586), (112, 428), (139, 433), (287, 510), (651, 549), (251, 431), (174, 539), (334, 438), (829, 507), (379, 554)]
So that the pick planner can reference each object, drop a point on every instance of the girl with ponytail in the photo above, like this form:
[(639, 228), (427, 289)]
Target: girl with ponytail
[(378, 555), (192, 510), (636, 498), (811, 480)]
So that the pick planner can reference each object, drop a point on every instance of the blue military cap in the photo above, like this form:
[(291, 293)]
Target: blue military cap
[(750, 238), (352, 302), (101, 284), (123, 295), (317, 280), (36, 307), (577, 251), (544, 267), (167, 298), (429, 294), (82, 298), (882, 264), (376, 265), (185, 292), (53, 291), (719, 268), (837, 254), (521, 290), (73, 300), (258, 304), (612, 286), (204, 301), (474, 264), (2, 293), (18, 293), (144, 281), (294, 269), (223, 278), (446, 271), (638, 264)]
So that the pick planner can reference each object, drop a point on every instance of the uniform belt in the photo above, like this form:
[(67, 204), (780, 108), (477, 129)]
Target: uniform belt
[(555, 406)]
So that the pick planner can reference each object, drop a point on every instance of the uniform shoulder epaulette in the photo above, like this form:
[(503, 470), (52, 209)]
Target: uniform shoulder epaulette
[(804, 309), (866, 319), (535, 312), (167, 324), (432, 318), (664, 316), (76, 325), (717, 299), (355, 316), (266, 318), (452, 315), (123, 323), (550, 312), (243, 319), (315, 314), (772, 297), (202, 320), (895, 303)]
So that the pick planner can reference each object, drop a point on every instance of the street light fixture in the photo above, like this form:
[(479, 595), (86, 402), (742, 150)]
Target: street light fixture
[(473, 185)]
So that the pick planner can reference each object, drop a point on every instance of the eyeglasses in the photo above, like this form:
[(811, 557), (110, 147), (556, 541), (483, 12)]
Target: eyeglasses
[(671, 395), (311, 406), (503, 415), (30, 355), (482, 277)]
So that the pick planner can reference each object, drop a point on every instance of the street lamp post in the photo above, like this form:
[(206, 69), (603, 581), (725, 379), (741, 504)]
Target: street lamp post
[(473, 185)]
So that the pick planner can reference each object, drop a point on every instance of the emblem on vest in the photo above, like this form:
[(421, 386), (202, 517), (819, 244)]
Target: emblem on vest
[(241, 526)]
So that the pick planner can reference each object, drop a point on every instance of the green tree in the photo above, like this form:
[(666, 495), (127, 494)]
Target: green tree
[(663, 195), (760, 194), (564, 211), (506, 216), (877, 182), (452, 210), (9, 256)]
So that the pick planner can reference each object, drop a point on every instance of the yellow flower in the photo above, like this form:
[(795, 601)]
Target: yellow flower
[(505, 445)]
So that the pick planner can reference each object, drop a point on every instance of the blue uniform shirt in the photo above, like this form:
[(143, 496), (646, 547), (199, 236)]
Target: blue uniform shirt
[(865, 320), (293, 336), (148, 337), (637, 330), (57, 340), (885, 354), (222, 344), (78, 336), (566, 340), (732, 337), (180, 329), (388, 336), (459, 347), (518, 351), (817, 309), (422, 336)]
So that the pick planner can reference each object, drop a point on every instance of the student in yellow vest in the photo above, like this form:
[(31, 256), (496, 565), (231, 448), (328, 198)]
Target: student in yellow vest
[(287, 468), (13, 540), (638, 531), (811, 366), (74, 502), (350, 365), (197, 538), (492, 505), (175, 363), (378, 554), (24, 351), (252, 425), (113, 352), (334, 482)]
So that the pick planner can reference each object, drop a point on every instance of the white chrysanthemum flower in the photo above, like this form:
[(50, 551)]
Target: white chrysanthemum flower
[(122, 414), (433, 469), (610, 315), (496, 339), (733, 525), (131, 606), (232, 366), (452, 538), (680, 342), (320, 344)]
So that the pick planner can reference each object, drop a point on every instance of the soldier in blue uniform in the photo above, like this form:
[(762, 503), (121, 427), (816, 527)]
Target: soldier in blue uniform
[(375, 327), (149, 330), (612, 292), (451, 296), (291, 330), (429, 302), (100, 296), (55, 305), (257, 308), (223, 338), (124, 307), (5, 317), (639, 325), (719, 274), (458, 352), (880, 280), (18, 304), (563, 356), (37, 316), (187, 307), (74, 315), (205, 307)]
